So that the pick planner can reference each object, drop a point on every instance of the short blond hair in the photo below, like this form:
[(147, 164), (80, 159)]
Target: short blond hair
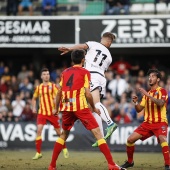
[(109, 35)]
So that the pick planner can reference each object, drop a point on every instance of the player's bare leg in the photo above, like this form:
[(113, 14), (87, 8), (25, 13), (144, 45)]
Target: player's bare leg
[(104, 115)]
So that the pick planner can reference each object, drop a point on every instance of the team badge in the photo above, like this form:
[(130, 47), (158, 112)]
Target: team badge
[(156, 93)]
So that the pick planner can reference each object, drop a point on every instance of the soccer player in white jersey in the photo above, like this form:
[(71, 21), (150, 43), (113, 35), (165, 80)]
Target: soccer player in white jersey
[(98, 59)]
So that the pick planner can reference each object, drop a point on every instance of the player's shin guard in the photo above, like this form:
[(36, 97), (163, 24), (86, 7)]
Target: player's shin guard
[(130, 148), (165, 152), (38, 143), (106, 151), (104, 113), (56, 151)]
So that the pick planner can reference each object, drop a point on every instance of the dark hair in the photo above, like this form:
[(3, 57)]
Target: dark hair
[(109, 35), (44, 69), (156, 71), (77, 56)]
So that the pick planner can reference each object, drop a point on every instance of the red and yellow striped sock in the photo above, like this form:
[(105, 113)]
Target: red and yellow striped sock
[(130, 148), (165, 152), (64, 146), (56, 151), (38, 143), (106, 151)]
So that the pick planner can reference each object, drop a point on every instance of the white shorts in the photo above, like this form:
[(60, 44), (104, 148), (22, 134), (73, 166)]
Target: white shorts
[(98, 81)]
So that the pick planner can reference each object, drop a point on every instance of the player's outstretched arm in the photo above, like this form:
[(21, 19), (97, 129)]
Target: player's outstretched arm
[(65, 50)]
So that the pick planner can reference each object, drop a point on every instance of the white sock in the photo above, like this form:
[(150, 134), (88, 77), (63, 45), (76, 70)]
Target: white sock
[(104, 113), (99, 121)]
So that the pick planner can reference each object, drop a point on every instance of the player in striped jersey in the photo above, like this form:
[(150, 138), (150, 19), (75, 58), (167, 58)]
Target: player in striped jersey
[(98, 59), (155, 120), (46, 93), (73, 95)]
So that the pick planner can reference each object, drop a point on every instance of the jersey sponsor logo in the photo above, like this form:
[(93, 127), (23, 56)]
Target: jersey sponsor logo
[(91, 84), (71, 100)]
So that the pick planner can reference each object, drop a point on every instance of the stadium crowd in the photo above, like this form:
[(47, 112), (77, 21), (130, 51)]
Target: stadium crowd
[(54, 7), (123, 81)]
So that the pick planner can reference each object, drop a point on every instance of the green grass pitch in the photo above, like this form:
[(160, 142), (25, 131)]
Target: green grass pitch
[(78, 160)]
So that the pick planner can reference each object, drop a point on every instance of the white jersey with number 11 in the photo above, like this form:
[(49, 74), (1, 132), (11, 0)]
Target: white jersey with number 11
[(98, 57)]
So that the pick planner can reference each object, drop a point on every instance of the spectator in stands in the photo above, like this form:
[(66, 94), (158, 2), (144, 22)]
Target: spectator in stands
[(27, 114), (108, 101), (10, 95), (1, 68), (109, 77), (125, 6), (14, 85), (8, 104), (18, 106), (9, 117), (3, 98), (115, 111), (164, 76), (25, 4), (31, 76), (3, 86), (23, 73), (6, 75), (12, 7), (117, 86), (54, 74), (36, 83), (131, 110), (3, 108), (123, 117), (1, 118), (141, 79), (121, 66), (123, 102), (48, 6), (113, 7), (26, 86)]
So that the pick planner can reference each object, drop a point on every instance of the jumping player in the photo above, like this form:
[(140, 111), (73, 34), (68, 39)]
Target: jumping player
[(97, 61)]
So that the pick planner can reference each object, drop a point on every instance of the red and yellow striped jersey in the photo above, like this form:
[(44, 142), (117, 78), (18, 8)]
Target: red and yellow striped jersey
[(154, 113), (74, 80), (46, 95)]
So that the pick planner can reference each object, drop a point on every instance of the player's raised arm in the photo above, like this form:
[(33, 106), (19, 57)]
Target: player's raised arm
[(65, 50)]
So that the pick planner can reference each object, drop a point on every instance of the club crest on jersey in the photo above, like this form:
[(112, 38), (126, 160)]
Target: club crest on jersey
[(50, 87), (156, 93), (163, 128)]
